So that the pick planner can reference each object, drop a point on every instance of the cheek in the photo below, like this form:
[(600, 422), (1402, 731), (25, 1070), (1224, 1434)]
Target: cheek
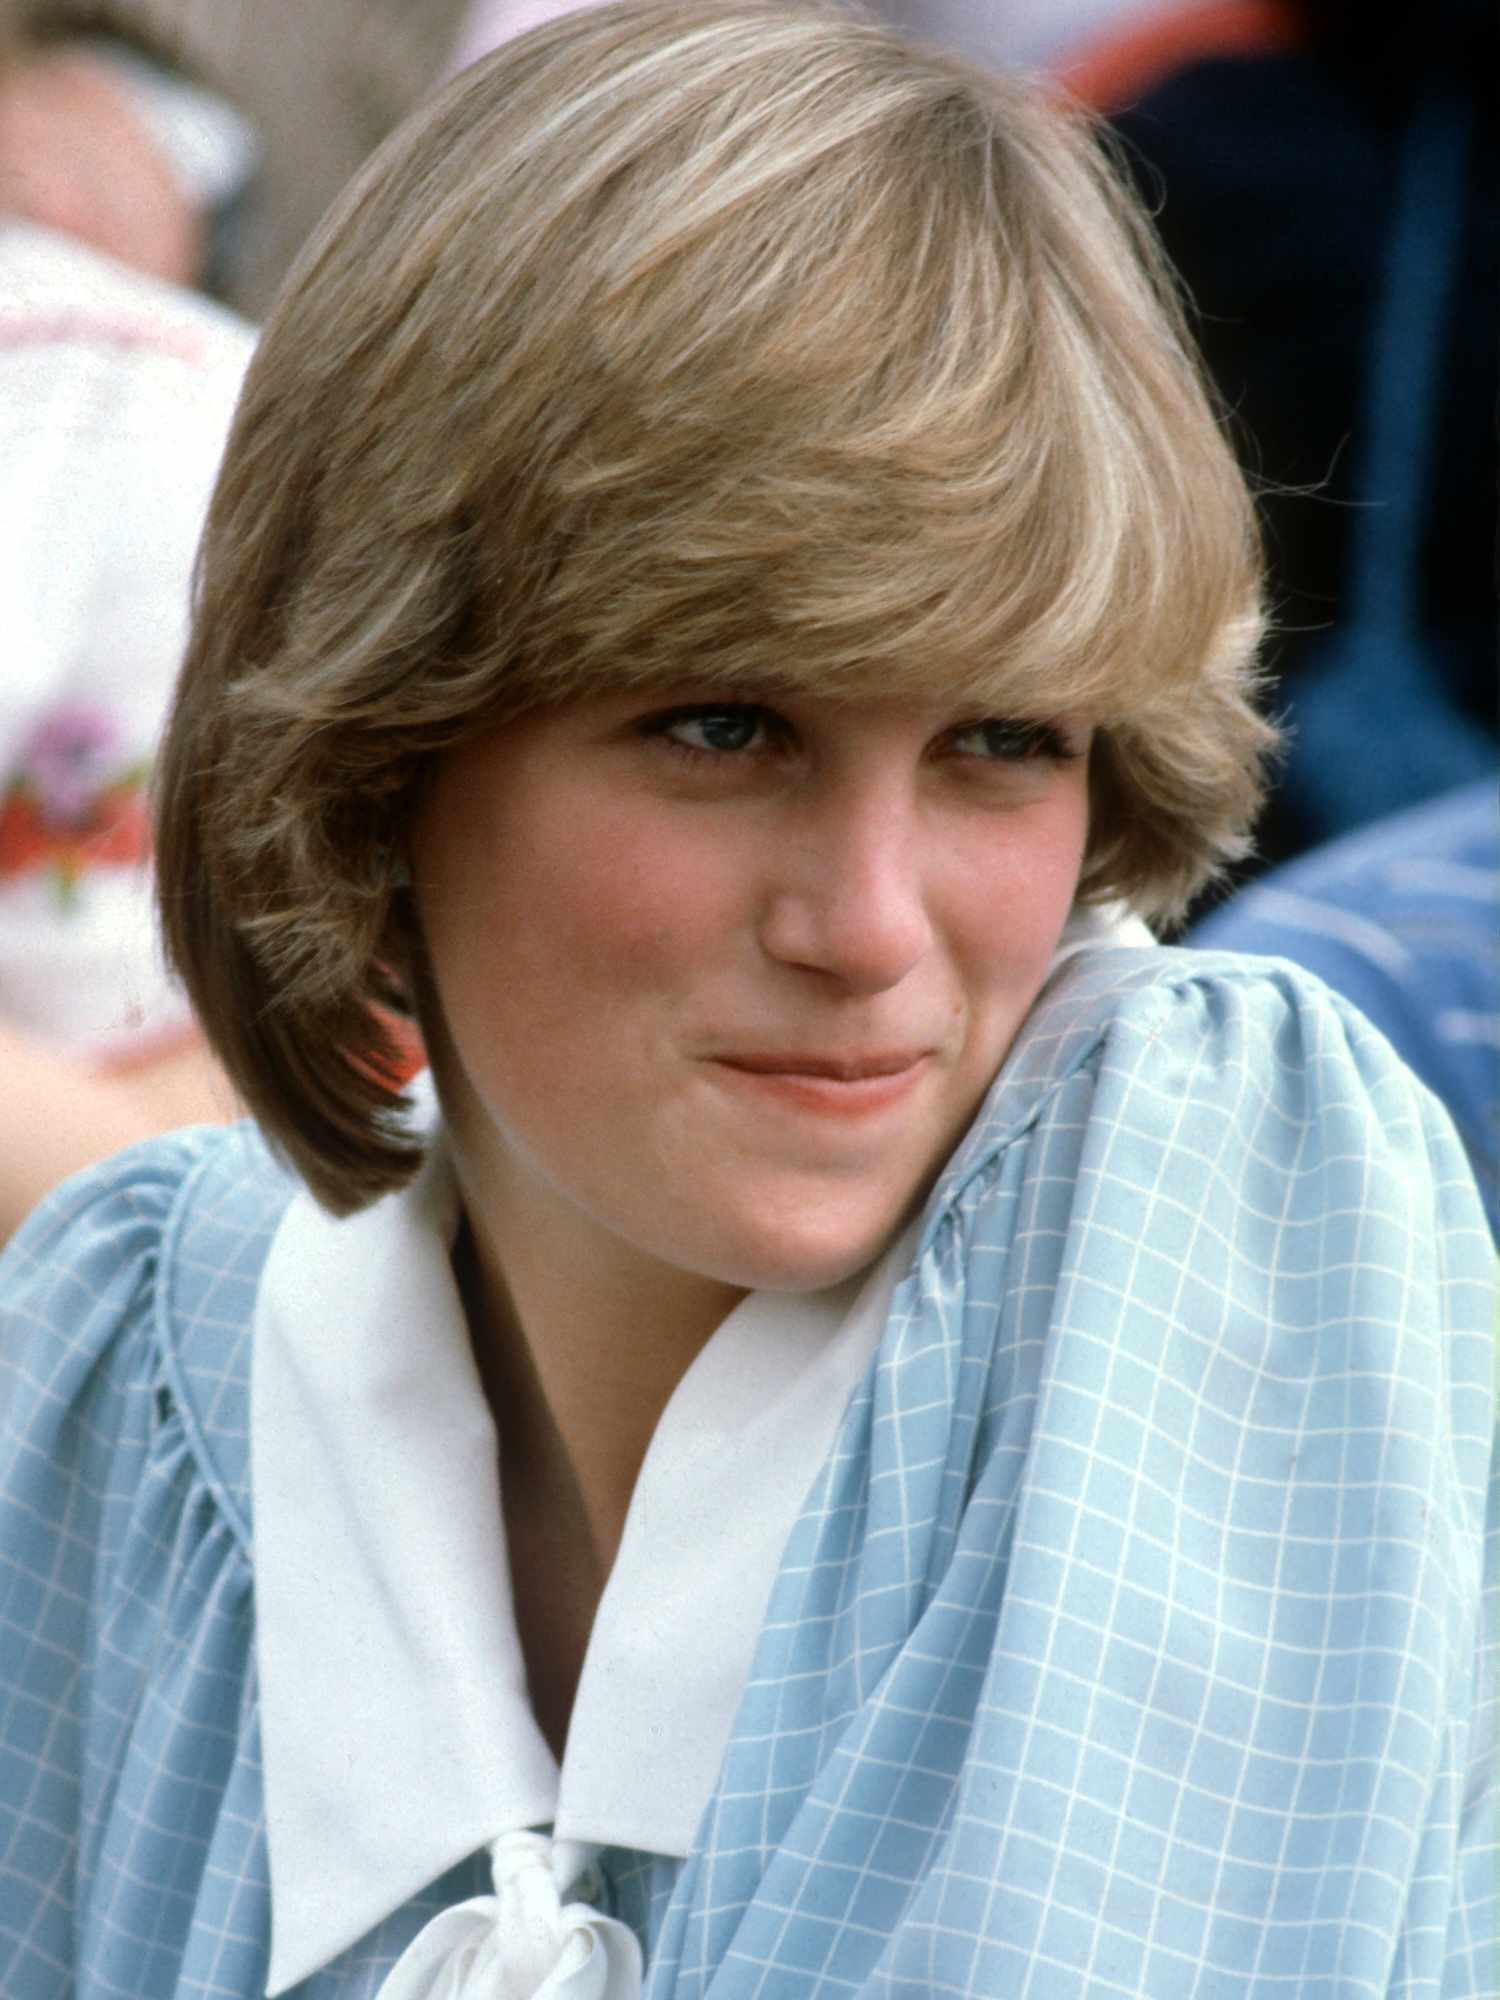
[(1019, 896), (588, 901), (652, 904)]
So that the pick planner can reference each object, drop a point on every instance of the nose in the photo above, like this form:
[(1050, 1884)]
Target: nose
[(848, 896)]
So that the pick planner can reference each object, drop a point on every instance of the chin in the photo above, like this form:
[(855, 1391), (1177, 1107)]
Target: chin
[(800, 1258)]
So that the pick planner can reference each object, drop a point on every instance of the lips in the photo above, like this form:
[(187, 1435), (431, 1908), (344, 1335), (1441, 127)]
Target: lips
[(841, 1089), (836, 1069)]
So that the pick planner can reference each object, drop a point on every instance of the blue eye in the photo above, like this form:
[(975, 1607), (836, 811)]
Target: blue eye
[(1003, 741), (713, 731)]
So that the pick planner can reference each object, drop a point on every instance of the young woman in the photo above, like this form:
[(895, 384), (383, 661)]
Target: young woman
[(876, 1432)]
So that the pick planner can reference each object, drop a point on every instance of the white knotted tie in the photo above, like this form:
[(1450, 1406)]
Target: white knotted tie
[(522, 1943)]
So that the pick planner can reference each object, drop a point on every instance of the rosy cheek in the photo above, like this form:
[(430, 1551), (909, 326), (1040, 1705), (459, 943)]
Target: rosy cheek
[(627, 900), (1018, 905)]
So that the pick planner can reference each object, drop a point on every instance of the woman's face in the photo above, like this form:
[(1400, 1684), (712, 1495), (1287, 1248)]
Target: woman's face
[(721, 983)]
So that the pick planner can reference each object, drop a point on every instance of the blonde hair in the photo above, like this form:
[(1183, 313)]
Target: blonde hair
[(741, 333)]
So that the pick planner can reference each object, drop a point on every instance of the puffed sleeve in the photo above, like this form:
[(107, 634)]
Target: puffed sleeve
[(1263, 1474), (100, 1507), (1135, 1640)]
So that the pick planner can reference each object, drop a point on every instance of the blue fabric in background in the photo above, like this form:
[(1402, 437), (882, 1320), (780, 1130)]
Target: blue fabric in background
[(1403, 917), (1334, 209)]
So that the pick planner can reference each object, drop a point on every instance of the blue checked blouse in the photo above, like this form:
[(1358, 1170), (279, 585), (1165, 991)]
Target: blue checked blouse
[(1132, 1641)]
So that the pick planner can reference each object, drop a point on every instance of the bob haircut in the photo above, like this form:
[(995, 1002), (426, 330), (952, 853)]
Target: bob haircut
[(681, 338)]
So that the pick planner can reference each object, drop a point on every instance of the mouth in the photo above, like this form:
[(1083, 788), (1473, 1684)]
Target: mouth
[(836, 1069), (841, 1086)]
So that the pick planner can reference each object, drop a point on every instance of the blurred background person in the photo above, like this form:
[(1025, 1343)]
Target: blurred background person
[(1400, 917), (115, 395), (1327, 183), (202, 142)]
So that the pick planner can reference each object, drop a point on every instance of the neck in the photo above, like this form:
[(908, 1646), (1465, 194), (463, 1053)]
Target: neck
[(581, 1341)]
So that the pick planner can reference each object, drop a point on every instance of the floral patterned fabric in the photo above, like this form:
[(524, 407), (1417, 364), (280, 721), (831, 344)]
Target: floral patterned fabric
[(115, 395)]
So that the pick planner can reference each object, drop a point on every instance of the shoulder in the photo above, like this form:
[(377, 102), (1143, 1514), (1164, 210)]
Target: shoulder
[(1223, 1036), (137, 1279), (1204, 1172), (1236, 1129)]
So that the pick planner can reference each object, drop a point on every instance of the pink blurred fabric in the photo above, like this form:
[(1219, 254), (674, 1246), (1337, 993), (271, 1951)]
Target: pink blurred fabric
[(488, 23), (1029, 34)]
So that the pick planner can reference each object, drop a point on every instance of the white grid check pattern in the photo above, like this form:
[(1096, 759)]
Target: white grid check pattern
[(1130, 1643)]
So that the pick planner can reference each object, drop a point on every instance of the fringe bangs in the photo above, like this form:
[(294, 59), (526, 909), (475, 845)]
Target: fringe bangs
[(733, 342)]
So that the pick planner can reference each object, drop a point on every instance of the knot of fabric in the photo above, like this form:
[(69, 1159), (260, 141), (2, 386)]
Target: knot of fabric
[(521, 1943)]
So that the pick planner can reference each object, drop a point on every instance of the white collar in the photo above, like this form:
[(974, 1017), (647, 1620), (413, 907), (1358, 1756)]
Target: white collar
[(395, 1730), (1091, 925), (396, 1735)]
